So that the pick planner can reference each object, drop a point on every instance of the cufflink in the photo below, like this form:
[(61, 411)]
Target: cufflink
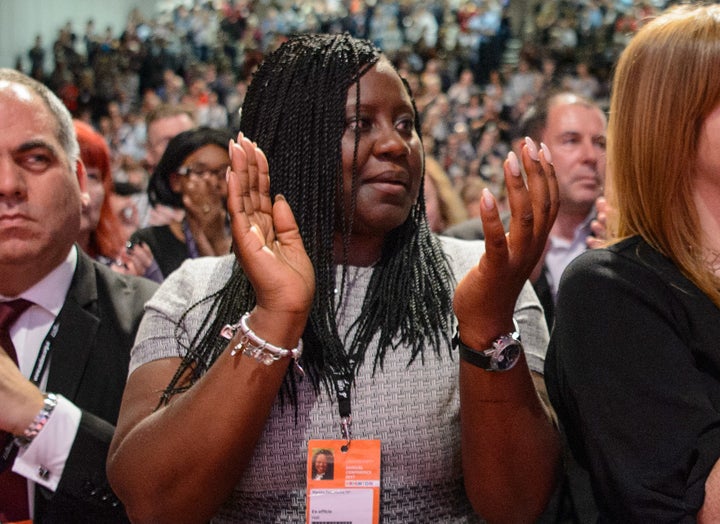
[(43, 472)]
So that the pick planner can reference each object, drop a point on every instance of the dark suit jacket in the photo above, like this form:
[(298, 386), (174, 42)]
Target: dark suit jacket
[(89, 365)]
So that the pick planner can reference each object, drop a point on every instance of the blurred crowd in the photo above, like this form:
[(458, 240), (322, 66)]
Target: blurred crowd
[(472, 74)]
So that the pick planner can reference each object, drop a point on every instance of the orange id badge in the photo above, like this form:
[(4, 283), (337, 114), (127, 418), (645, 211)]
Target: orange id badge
[(343, 486)]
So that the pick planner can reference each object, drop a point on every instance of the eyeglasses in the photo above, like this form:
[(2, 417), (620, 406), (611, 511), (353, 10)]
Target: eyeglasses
[(200, 170)]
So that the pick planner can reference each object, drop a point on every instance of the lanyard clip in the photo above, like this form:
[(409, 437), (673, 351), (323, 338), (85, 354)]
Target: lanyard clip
[(345, 429)]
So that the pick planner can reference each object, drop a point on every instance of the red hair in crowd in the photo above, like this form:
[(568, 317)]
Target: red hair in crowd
[(108, 238)]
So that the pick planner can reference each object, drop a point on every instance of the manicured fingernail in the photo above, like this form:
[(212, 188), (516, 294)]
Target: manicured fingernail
[(230, 148), (532, 148), (546, 153), (488, 199), (279, 197), (513, 163), (227, 174), (236, 147)]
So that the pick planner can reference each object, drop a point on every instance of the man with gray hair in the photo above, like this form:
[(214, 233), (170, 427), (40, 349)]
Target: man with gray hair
[(67, 323), (573, 128)]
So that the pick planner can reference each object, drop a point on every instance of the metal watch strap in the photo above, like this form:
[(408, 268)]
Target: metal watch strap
[(49, 402)]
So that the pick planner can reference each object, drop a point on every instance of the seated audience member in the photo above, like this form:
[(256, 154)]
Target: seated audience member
[(471, 196), (102, 235), (161, 123), (442, 203), (190, 176), (125, 207), (633, 367), (371, 291), (67, 322), (573, 128)]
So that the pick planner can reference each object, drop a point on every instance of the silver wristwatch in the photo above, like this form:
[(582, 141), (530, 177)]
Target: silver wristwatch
[(502, 356)]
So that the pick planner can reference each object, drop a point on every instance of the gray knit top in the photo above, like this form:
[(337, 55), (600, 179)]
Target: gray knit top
[(413, 410)]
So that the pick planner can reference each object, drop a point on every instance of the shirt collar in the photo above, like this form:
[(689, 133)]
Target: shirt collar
[(50, 292), (582, 231)]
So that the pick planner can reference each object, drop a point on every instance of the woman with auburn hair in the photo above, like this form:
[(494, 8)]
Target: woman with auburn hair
[(101, 233), (633, 367)]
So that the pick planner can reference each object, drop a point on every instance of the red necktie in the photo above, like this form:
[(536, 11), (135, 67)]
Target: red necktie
[(13, 487)]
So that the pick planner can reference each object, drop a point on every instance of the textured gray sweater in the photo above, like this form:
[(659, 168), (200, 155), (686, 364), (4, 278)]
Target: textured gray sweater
[(413, 410)]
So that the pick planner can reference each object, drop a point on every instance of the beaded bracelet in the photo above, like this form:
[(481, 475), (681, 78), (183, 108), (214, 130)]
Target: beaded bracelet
[(261, 350), (49, 403)]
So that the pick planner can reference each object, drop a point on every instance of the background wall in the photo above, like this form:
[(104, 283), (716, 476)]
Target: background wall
[(21, 20)]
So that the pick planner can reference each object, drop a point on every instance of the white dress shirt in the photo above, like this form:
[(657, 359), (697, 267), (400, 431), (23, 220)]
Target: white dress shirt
[(43, 461), (562, 251)]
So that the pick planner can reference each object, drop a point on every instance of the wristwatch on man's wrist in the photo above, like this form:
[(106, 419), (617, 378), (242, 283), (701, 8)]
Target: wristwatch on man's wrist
[(502, 356)]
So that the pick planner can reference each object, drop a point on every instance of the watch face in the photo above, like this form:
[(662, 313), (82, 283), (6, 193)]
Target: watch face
[(506, 358)]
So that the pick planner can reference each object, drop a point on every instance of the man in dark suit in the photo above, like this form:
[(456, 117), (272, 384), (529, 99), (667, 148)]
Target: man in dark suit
[(64, 357)]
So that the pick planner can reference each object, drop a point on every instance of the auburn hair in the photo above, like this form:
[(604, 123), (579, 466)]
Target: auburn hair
[(666, 83), (108, 238)]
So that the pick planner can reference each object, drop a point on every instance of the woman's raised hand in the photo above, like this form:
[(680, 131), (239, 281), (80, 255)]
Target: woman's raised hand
[(266, 238), (495, 283)]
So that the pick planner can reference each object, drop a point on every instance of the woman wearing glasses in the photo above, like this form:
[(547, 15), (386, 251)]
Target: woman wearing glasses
[(190, 176)]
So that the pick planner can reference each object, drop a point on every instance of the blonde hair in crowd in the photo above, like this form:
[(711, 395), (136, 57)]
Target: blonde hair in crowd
[(452, 208), (667, 81)]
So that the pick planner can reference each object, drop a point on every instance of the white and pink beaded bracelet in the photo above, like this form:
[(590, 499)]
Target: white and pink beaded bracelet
[(261, 350)]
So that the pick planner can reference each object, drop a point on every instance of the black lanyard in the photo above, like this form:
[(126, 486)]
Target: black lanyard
[(343, 385), (342, 390), (42, 360)]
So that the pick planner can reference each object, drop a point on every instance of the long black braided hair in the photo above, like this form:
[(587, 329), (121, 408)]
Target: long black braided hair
[(295, 111)]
